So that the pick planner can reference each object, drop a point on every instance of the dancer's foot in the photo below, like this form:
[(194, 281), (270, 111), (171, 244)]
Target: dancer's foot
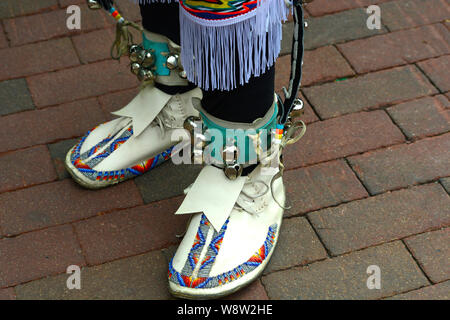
[(140, 139)]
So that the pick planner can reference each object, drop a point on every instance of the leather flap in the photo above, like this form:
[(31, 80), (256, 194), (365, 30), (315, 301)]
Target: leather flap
[(144, 108), (213, 194)]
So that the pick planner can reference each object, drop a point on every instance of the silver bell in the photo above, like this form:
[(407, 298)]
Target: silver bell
[(145, 75), (135, 67), (148, 60), (183, 74), (233, 172), (93, 4), (298, 108), (191, 123), (172, 61), (133, 52), (141, 55)]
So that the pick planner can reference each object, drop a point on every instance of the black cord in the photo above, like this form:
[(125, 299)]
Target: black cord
[(296, 61), (106, 4)]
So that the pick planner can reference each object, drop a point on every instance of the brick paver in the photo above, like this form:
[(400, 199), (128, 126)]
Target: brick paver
[(446, 184), (343, 136), (65, 3), (404, 165), (25, 168), (167, 181), (140, 277), (397, 48), (12, 8), (369, 91), (58, 152), (432, 250), (363, 223), (423, 117), (439, 291), (60, 202), (437, 69), (38, 254), (339, 27), (94, 46), (320, 186), (14, 97), (129, 9), (3, 40), (369, 183), (345, 277), (49, 125), (80, 82), (7, 294), (254, 291), (411, 13), (131, 232), (320, 65), (298, 245), (114, 101), (321, 7), (37, 58), (51, 24)]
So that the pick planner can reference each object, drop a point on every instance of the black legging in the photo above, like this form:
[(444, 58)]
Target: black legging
[(244, 104)]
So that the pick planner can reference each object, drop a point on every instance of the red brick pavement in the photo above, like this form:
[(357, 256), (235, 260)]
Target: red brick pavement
[(367, 184)]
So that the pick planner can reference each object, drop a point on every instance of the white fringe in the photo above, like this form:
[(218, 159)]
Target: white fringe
[(212, 49)]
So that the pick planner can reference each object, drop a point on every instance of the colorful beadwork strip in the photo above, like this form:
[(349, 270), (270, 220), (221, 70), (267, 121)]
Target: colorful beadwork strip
[(85, 163), (187, 278), (116, 15), (278, 134)]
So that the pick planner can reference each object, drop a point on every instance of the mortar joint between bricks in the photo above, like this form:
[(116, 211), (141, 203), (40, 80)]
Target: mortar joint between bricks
[(427, 77), (419, 265), (328, 251), (357, 176)]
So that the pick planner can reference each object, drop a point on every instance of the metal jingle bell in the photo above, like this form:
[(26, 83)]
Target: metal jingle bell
[(141, 55), (191, 123), (133, 52), (183, 74), (93, 4), (233, 172), (172, 61), (148, 59), (135, 68), (145, 75), (298, 108)]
